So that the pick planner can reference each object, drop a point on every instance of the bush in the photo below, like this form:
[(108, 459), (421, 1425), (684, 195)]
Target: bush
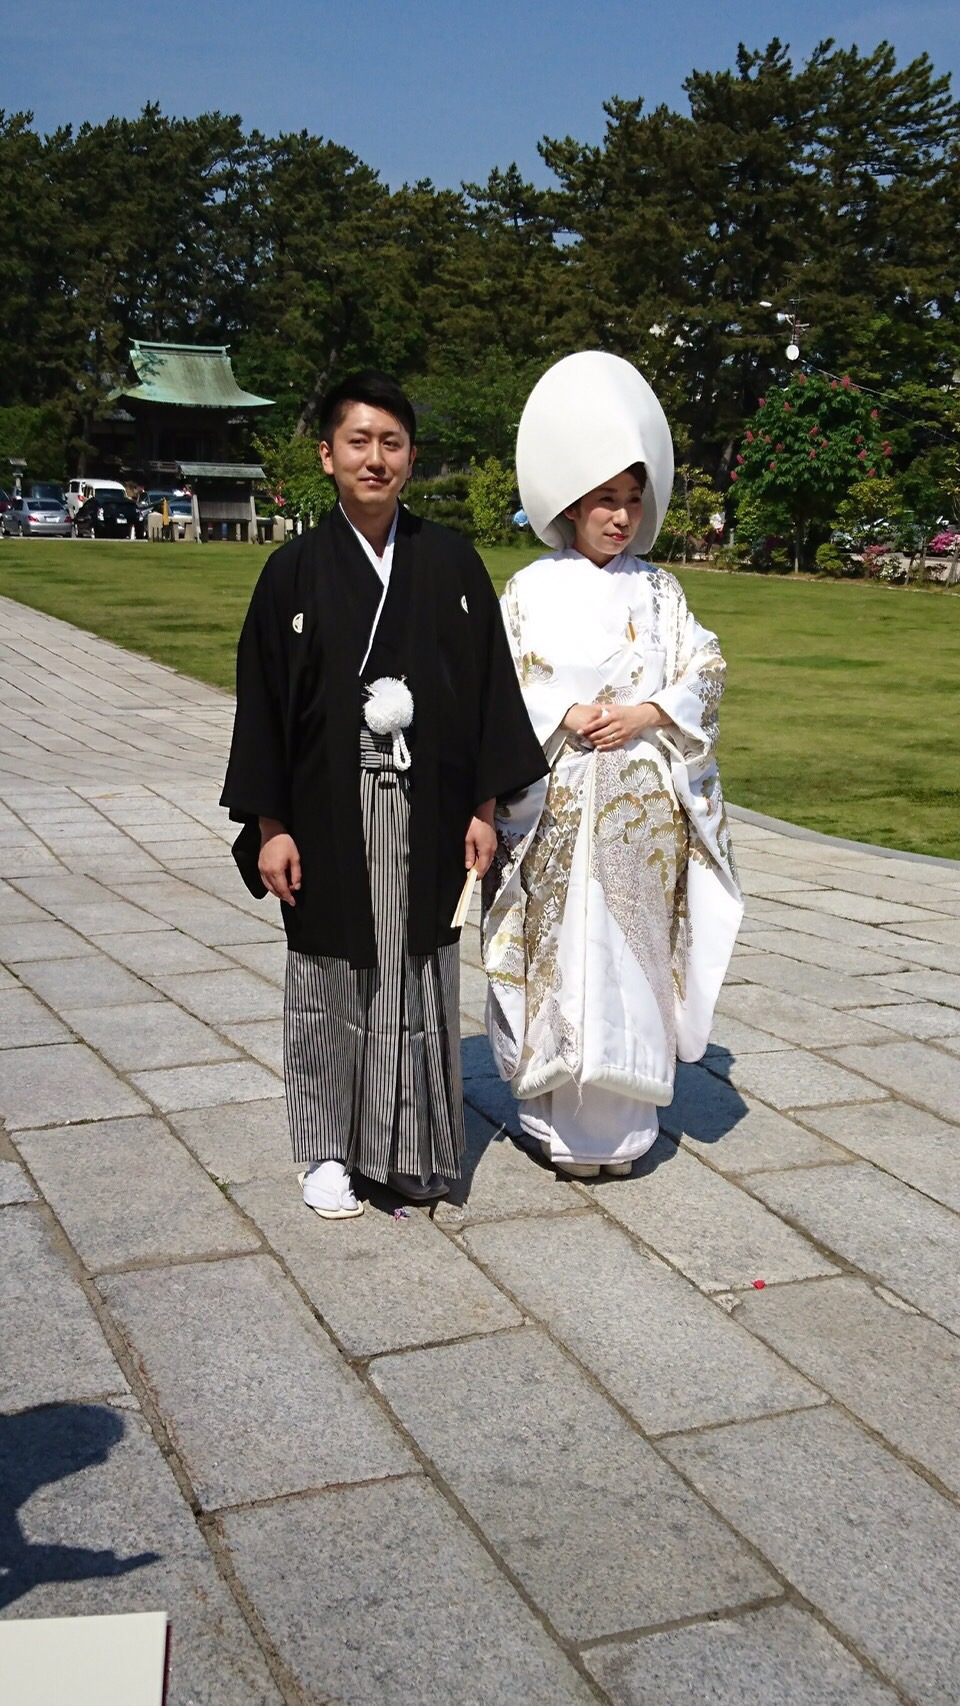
[(490, 495), (730, 558), (942, 544), (831, 561), (443, 499)]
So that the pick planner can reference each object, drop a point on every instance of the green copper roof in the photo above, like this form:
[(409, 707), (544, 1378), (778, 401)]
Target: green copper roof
[(222, 471), (192, 376)]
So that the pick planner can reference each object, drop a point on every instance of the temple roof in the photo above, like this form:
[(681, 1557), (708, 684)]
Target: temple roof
[(222, 471), (191, 376)]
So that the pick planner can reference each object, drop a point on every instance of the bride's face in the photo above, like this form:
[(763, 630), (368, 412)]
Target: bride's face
[(606, 519)]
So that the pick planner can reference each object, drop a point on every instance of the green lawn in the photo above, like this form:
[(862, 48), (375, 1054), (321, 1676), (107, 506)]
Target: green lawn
[(841, 703)]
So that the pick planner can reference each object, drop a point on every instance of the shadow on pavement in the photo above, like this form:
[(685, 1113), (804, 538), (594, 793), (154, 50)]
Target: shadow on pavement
[(38, 1447)]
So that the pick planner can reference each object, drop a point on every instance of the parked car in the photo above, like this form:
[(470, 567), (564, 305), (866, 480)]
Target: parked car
[(36, 518), (109, 517), (179, 508), (87, 486), (51, 489)]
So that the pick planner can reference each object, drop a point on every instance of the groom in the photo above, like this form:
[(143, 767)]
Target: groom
[(367, 858)]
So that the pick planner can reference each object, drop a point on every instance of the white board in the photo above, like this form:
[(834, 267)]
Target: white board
[(84, 1661)]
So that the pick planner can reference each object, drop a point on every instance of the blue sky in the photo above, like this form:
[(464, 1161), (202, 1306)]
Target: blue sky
[(425, 88)]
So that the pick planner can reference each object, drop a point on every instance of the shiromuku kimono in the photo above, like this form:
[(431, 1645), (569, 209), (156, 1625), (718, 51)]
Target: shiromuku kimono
[(613, 905), (371, 1022)]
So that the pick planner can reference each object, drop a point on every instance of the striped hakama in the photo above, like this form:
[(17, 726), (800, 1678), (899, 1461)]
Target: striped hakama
[(372, 1056)]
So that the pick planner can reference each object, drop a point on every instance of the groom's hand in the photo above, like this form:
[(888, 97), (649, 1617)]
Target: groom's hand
[(279, 862), (481, 839)]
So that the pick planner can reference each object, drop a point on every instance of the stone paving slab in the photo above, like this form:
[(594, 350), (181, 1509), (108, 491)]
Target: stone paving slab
[(640, 1329), (218, 1343), (53, 1345), (161, 952), (918, 1071), (147, 1034), (499, 1178), (125, 1191), (796, 1020), (913, 1145), (895, 1369), (15, 1187), (470, 1387), (397, 1282), (239, 1140), (709, 1228), (50, 1083), (24, 1021), (881, 1227), (495, 1413), (175, 1087), (794, 1078), (713, 1120), (780, 1654), (95, 980), (98, 1506), (412, 1610), (861, 1536), (47, 940)]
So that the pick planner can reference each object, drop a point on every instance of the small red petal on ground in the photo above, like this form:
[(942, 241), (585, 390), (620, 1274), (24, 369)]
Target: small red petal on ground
[(759, 1285)]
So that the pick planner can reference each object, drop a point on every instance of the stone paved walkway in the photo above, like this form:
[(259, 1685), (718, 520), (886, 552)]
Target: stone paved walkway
[(553, 1445)]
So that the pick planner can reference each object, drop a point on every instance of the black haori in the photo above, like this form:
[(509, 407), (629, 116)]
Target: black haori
[(296, 746)]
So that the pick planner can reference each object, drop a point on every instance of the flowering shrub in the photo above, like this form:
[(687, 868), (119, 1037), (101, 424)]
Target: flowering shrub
[(805, 447), (942, 544), (874, 560)]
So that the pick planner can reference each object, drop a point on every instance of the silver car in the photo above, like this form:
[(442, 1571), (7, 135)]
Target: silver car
[(37, 518)]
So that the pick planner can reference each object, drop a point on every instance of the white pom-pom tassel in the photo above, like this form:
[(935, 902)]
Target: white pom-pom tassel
[(389, 710)]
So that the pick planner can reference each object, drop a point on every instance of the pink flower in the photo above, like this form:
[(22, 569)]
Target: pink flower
[(861, 456), (845, 382), (833, 385), (779, 446), (874, 414), (787, 407), (813, 456), (771, 464), (762, 402), (870, 473), (813, 432), (733, 474), (801, 379), (887, 451), (859, 437), (749, 437)]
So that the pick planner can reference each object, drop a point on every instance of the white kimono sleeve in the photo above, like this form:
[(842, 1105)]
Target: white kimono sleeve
[(547, 700)]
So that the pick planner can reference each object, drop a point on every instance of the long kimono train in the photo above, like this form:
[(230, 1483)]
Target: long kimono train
[(613, 905), (371, 1005)]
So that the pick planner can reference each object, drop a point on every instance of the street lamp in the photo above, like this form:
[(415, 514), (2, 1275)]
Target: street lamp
[(797, 328)]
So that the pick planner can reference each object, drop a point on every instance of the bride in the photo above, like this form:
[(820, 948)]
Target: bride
[(612, 906)]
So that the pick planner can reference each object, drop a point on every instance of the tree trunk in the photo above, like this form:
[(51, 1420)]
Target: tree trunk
[(953, 573), (922, 565), (308, 413)]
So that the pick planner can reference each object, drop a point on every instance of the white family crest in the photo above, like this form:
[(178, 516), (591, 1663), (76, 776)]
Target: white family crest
[(298, 622)]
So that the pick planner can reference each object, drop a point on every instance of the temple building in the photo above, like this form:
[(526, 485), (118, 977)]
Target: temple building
[(184, 421)]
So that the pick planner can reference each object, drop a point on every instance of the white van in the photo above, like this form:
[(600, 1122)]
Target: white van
[(79, 490)]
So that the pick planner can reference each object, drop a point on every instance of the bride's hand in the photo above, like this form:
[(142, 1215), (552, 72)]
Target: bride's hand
[(578, 717), (613, 726)]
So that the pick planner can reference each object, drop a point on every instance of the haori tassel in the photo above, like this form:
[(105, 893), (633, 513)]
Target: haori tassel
[(388, 711)]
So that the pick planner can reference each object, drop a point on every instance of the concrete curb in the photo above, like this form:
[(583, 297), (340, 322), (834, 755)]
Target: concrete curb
[(796, 832)]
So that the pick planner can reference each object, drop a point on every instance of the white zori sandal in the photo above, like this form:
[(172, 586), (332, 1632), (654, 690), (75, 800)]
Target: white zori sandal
[(328, 1191)]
